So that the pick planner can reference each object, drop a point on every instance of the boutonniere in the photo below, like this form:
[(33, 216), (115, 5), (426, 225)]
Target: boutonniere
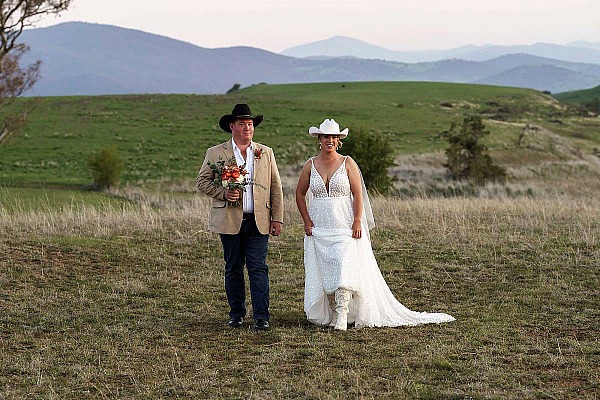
[(257, 153)]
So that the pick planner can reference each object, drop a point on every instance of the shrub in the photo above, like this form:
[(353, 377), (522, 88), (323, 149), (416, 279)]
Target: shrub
[(374, 156), (234, 88), (592, 105), (106, 166), (467, 158)]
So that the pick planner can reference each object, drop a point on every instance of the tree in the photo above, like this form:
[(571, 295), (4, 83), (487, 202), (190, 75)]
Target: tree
[(467, 158), (16, 15), (374, 156), (235, 87), (106, 167)]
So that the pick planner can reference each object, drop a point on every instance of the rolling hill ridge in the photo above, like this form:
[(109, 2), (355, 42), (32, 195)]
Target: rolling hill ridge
[(92, 59)]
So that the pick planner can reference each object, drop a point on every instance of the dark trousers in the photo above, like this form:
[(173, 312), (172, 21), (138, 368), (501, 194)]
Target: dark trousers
[(248, 247)]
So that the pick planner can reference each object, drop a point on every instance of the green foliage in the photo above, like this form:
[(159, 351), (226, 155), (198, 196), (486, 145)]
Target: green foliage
[(374, 156), (467, 157), (106, 166)]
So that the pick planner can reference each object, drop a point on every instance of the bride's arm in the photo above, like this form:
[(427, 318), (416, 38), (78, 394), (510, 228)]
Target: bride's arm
[(301, 189), (356, 189)]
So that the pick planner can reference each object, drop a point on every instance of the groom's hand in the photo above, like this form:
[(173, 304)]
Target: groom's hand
[(232, 195), (275, 228)]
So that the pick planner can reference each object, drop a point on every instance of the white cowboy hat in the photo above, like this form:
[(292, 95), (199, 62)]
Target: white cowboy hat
[(328, 127)]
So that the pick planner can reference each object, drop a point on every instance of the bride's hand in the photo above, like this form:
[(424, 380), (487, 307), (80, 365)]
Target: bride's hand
[(308, 228), (356, 230)]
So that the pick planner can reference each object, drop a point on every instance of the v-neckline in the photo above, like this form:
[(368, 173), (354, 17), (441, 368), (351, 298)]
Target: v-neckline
[(332, 175)]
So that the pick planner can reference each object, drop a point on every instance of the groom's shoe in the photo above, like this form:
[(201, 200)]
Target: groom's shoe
[(236, 322), (261, 325)]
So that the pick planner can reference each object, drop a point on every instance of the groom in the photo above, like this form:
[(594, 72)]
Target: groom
[(245, 229)]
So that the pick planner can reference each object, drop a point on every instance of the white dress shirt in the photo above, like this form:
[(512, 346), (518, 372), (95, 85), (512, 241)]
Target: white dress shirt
[(248, 198)]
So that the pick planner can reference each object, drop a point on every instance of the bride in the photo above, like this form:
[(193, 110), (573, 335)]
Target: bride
[(338, 258)]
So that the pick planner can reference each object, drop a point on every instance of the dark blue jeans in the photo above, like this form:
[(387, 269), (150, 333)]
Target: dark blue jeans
[(248, 247)]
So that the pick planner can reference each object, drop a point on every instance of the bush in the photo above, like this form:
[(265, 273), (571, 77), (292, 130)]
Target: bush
[(467, 158), (592, 105), (106, 167), (374, 156), (234, 88)]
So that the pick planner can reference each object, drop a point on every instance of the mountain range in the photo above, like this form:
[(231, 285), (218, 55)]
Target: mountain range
[(342, 46), (92, 59)]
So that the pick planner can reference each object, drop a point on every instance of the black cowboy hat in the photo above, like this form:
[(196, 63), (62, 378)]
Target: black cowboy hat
[(240, 111)]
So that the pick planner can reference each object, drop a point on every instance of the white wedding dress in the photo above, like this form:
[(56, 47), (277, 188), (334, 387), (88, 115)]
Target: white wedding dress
[(333, 259)]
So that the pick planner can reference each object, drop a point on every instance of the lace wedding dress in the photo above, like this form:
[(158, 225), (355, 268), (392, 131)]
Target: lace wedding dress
[(333, 259)]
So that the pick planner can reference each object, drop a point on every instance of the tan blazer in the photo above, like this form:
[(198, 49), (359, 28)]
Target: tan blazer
[(268, 193)]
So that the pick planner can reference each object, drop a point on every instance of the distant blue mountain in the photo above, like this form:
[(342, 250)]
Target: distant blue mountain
[(518, 60), (585, 44), (92, 59), (538, 76), (338, 46), (343, 46), (84, 58)]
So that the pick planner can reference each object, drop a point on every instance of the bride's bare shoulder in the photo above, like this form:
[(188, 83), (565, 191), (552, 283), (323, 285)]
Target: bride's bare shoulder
[(351, 164)]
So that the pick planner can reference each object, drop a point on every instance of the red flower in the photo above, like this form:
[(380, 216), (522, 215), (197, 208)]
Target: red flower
[(257, 153)]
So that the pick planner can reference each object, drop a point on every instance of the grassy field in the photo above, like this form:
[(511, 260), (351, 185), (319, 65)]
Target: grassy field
[(163, 138), (22, 200), (120, 294), (101, 303)]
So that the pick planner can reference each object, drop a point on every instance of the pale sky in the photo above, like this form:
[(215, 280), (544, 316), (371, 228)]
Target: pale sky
[(395, 24)]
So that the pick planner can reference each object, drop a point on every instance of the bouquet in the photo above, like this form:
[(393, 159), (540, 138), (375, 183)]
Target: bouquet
[(231, 176)]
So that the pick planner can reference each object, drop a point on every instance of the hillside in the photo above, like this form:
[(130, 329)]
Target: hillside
[(539, 77), (163, 137), (93, 59), (579, 96), (518, 60)]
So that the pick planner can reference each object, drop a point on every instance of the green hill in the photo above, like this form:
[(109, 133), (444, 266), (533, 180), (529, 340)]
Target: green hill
[(164, 137), (578, 96)]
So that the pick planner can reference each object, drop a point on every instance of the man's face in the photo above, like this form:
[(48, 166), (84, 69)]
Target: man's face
[(242, 130)]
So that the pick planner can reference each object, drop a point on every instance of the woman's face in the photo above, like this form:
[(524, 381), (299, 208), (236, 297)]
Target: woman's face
[(329, 142)]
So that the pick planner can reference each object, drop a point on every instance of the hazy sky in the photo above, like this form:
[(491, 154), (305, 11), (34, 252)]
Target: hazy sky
[(396, 24)]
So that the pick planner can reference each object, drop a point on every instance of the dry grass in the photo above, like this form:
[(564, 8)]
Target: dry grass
[(127, 302), (558, 171)]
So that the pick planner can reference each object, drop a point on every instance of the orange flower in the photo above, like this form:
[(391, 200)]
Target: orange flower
[(232, 176)]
